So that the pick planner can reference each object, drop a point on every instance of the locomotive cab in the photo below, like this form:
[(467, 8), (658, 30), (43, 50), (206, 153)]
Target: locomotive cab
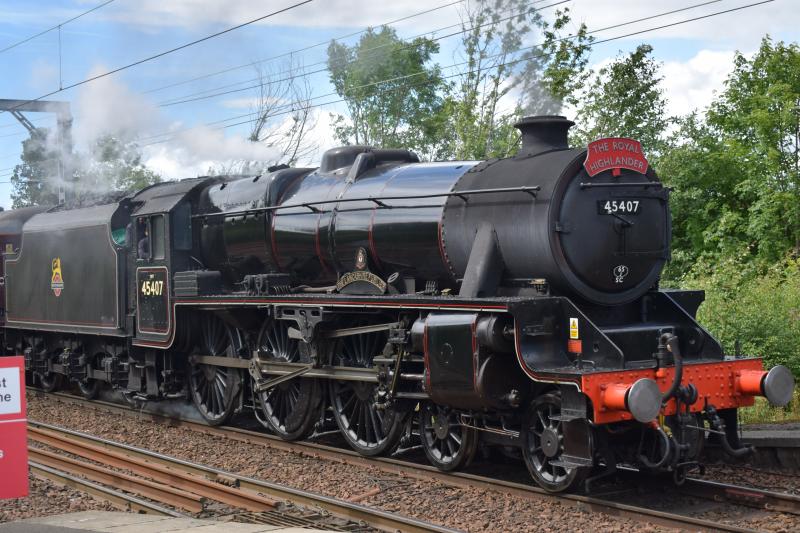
[(163, 252)]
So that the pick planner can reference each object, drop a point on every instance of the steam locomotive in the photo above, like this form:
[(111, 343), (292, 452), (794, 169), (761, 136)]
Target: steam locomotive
[(510, 302)]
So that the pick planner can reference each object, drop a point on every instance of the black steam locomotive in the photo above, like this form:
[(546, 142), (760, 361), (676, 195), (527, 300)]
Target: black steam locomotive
[(512, 302)]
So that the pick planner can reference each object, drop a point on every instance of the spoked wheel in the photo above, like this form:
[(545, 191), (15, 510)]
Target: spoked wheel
[(543, 445), (89, 387), (447, 444), (367, 429), (291, 408), (215, 389)]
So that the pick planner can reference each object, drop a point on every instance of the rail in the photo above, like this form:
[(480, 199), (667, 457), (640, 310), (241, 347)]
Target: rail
[(215, 484), (750, 497), (119, 499)]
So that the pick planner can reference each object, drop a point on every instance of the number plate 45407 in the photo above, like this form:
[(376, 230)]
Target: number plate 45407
[(625, 206)]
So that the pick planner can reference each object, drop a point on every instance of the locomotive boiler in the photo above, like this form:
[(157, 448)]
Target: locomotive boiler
[(533, 217), (511, 302)]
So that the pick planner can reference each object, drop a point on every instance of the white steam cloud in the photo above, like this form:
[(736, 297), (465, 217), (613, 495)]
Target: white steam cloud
[(107, 107)]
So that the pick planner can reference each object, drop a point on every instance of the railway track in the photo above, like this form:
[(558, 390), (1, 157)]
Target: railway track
[(181, 484), (118, 498), (709, 490)]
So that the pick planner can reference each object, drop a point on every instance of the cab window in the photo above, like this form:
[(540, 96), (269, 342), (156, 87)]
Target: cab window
[(157, 225), (150, 237)]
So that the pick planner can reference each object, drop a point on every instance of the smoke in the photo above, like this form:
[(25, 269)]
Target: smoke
[(113, 132), (106, 108)]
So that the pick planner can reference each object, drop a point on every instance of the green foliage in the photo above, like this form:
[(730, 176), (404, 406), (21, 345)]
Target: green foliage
[(396, 98), (112, 165), (32, 179), (625, 100), (393, 94), (736, 171), (565, 73), (117, 165), (500, 71), (758, 309), (762, 412)]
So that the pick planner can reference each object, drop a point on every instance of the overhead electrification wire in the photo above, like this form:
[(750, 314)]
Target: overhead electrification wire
[(48, 30), (202, 95), (408, 17), (16, 134), (164, 53), (304, 49), (298, 106)]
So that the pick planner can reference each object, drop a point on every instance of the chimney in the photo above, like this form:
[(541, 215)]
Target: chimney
[(543, 133)]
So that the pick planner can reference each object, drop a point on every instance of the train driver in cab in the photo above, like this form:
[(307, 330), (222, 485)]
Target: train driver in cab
[(143, 249)]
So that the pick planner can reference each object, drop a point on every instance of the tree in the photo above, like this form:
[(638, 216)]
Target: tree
[(391, 90), (758, 116), (625, 99), (114, 165), (111, 165), (736, 171), (283, 113), (504, 81), (32, 181)]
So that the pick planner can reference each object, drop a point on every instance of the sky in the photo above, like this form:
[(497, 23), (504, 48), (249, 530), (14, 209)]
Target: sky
[(696, 58)]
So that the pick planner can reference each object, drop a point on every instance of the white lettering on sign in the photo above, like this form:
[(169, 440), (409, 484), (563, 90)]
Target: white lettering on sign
[(620, 145), (9, 391), (618, 161)]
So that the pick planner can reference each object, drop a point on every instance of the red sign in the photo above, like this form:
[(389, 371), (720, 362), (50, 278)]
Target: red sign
[(615, 154), (13, 429)]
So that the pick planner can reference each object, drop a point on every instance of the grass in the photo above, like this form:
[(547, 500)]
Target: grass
[(763, 413)]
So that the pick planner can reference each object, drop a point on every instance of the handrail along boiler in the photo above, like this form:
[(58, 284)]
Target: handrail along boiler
[(510, 302)]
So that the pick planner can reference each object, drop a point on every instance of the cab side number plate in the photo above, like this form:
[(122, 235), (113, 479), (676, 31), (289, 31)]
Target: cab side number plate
[(618, 207)]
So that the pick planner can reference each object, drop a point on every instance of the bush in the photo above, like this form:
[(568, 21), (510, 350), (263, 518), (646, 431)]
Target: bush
[(759, 308)]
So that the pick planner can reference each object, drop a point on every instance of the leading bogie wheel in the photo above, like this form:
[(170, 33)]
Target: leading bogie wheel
[(447, 443), (367, 428), (543, 446), (290, 409), (215, 389)]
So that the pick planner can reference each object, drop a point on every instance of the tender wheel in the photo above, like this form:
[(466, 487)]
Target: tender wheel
[(367, 429), (90, 388), (543, 444), (215, 389), (50, 381), (447, 444), (291, 408)]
